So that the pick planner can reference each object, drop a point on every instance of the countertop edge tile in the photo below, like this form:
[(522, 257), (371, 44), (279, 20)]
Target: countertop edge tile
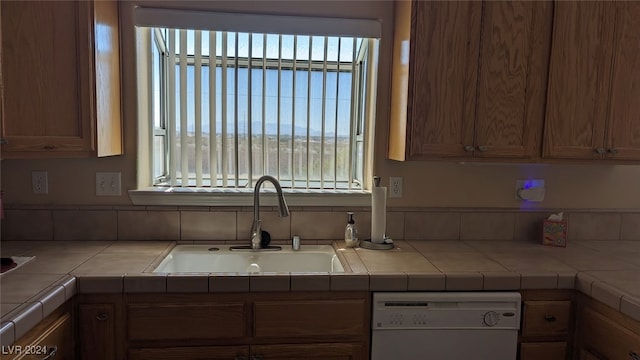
[(7, 333), (606, 294), (349, 282), (388, 282), (630, 307), (28, 319), (464, 281), (501, 280), (98, 284), (542, 280), (426, 281)]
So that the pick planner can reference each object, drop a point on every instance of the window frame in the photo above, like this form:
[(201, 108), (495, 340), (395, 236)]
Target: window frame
[(147, 194)]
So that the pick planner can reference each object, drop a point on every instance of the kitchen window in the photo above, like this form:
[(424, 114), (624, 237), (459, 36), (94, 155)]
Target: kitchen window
[(227, 98)]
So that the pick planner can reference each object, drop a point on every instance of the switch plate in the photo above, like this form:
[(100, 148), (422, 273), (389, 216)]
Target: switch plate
[(395, 186), (108, 184), (39, 183)]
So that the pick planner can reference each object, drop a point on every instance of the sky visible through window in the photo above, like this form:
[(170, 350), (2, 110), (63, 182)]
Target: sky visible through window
[(308, 97)]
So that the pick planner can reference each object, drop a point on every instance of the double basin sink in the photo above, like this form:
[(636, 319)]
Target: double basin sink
[(221, 258)]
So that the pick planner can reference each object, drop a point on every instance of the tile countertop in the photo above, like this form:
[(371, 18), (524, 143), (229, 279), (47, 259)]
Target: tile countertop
[(609, 271)]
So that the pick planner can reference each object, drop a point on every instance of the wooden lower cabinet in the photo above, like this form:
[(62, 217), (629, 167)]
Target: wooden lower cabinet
[(51, 339), (191, 353), (605, 333), (248, 326), (547, 327), (333, 351), (543, 351)]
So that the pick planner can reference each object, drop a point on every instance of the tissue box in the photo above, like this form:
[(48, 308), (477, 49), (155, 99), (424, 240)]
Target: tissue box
[(554, 232)]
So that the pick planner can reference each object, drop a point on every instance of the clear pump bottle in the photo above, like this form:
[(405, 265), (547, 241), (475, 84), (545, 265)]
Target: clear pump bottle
[(351, 232)]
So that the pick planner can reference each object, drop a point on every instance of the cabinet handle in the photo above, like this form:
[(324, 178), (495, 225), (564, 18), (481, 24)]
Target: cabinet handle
[(51, 353), (102, 317), (633, 355), (483, 148), (613, 151), (600, 151), (550, 318), (469, 148)]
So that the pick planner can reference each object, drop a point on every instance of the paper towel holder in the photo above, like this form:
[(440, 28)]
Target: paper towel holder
[(367, 244)]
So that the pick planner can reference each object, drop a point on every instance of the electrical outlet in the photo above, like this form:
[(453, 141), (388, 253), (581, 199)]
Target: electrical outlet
[(39, 183), (395, 186), (108, 184)]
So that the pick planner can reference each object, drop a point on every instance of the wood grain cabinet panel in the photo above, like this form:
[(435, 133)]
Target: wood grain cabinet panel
[(183, 321), (593, 99), (310, 319), (331, 351), (55, 341), (191, 353), (469, 79), (546, 318), (97, 331), (606, 338), (543, 351), (61, 78)]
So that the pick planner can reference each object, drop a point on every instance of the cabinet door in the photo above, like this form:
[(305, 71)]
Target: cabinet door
[(512, 80), (444, 55), (544, 350), (623, 140), (579, 73), (608, 338), (308, 351), (55, 342), (96, 332), (44, 90), (191, 353)]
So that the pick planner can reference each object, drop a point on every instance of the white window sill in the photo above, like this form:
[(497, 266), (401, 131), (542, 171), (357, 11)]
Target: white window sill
[(244, 197)]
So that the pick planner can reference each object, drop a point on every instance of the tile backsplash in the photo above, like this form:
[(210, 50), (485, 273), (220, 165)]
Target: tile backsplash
[(193, 224)]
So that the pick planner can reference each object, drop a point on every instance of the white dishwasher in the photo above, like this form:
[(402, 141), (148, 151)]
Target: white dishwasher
[(445, 326)]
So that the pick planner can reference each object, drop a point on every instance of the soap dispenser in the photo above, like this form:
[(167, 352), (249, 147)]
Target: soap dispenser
[(351, 232)]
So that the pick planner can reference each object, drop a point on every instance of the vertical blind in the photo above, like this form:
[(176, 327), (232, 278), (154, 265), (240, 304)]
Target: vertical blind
[(234, 106)]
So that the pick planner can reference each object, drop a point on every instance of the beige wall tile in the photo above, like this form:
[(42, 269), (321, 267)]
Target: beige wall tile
[(425, 281), (388, 282), (606, 294), (528, 226), (630, 229), (349, 282), (395, 225), (7, 333), (318, 225), (28, 318), (310, 282), (630, 307), (182, 283), (432, 226), (85, 225), (487, 226), (202, 225), (594, 226), (149, 283), (279, 228), (539, 281), (53, 299), (27, 225), (232, 282), (269, 282), (468, 281), (501, 280), (148, 225), (96, 284)]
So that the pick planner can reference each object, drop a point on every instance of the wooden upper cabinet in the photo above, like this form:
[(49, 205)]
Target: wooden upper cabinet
[(61, 74), (623, 139), (593, 106), (578, 80), (469, 79)]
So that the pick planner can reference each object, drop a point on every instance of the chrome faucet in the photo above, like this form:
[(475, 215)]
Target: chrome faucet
[(256, 230)]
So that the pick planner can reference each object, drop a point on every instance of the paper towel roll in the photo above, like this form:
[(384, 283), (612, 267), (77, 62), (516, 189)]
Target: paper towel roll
[(378, 214)]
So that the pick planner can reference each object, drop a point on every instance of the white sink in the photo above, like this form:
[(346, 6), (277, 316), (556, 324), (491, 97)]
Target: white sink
[(202, 258)]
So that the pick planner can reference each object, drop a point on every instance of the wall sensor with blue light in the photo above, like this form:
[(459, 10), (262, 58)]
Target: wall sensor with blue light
[(530, 190)]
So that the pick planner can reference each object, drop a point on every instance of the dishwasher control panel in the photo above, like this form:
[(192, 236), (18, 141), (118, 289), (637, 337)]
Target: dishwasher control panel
[(446, 311)]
